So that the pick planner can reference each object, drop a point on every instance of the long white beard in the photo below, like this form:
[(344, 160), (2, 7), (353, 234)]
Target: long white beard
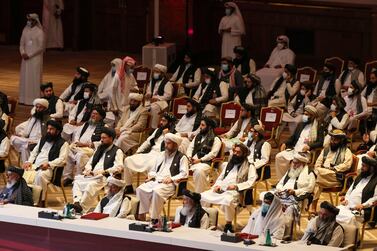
[(186, 210), (10, 183), (294, 173)]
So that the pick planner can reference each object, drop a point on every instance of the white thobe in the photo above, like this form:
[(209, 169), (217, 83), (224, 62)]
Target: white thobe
[(201, 170), (277, 57), (153, 194), (119, 96), (32, 43), (116, 204), (204, 221), (233, 38), (336, 124), (4, 147), (353, 197), (43, 177), (52, 25), (185, 125), (69, 129), (86, 188)]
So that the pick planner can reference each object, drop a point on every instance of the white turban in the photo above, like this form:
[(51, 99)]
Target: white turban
[(161, 68), (283, 38), (41, 101), (114, 181), (35, 17), (136, 96), (300, 157), (173, 137)]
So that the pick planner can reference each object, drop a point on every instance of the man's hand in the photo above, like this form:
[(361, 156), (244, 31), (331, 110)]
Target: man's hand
[(25, 56), (333, 114), (27, 166), (343, 201), (117, 132), (212, 101), (195, 161), (165, 131), (217, 189), (154, 100), (73, 122), (283, 147), (80, 144), (73, 102), (148, 96), (232, 187), (366, 138), (371, 154), (291, 192), (306, 148), (359, 207), (167, 180), (184, 134), (44, 166)]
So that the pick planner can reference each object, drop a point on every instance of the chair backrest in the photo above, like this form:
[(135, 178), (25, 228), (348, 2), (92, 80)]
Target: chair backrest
[(369, 66), (355, 162), (306, 74), (338, 64), (57, 174), (271, 117), (12, 104), (179, 106), (142, 75), (350, 235), (10, 126), (229, 113), (213, 215)]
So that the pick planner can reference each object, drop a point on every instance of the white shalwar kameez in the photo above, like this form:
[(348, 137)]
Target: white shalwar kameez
[(116, 204), (86, 188), (153, 194), (204, 221), (68, 129), (265, 154), (32, 43), (185, 125), (52, 25), (43, 177), (105, 88), (66, 93), (228, 141)]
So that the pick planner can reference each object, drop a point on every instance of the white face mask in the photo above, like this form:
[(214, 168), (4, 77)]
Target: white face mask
[(302, 92), (280, 46), (351, 68), (250, 135), (228, 12), (333, 107), (28, 23), (156, 75), (285, 75), (207, 81), (305, 118), (86, 95), (350, 91)]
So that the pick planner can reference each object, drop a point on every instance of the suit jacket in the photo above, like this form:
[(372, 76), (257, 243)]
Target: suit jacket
[(136, 123), (291, 142)]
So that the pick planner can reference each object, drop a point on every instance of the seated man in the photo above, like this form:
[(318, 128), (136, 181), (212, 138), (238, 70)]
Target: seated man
[(203, 148), (237, 175), (332, 163), (325, 86), (239, 131), (268, 216), (211, 94), (55, 104), (83, 144), (361, 195), (351, 73), (259, 149), (105, 88), (16, 190), (31, 131), (170, 167), (159, 92), (191, 214), (4, 146), (307, 136), (50, 153), (74, 92), (133, 121), (231, 76), (145, 157), (115, 203), (106, 160), (323, 229), (80, 112)]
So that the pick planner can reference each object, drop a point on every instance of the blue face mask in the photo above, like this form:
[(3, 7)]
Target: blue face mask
[(228, 12), (130, 71), (250, 135), (264, 209), (113, 70), (225, 67)]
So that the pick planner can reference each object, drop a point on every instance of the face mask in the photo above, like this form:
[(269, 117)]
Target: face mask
[(265, 208), (207, 81), (285, 75), (302, 92), (305, 118), (224, 67), (250, 135), (113, 70), (156, 76), (28, 23), (86, 95), (350, 91), (130, 71), (228, 12), (351, 68), (333, 107), (280, 46)]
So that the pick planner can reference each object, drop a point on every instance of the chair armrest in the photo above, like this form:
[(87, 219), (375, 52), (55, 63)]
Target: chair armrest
[(352, 174), (177, 185)]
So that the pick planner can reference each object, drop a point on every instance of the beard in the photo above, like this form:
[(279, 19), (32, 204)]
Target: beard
[(50, 137), (294, 173), (39, 115), (186, 209), (237, 159), (364, 174), (10, 183), (133, 107), (334, 147), (204, 131), (190, 113)]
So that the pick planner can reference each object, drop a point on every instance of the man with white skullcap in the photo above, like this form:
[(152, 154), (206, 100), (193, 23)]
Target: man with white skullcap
[(115, 203), (31, 51), (159, 93), (105, 88), (30, 132), (132, 123), (170, 167)]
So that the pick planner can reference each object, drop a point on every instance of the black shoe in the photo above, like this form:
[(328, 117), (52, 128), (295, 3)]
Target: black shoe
[(67, 182), (129, 189), (228, 228), (77, 207), (154, 222)]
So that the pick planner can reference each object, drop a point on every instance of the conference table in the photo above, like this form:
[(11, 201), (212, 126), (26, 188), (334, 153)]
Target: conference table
[(21, 229)]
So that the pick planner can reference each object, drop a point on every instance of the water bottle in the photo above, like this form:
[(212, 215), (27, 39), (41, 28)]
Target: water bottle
[(268, 238)]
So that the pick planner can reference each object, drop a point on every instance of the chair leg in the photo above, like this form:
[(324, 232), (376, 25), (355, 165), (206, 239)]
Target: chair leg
[(65, 197), (255, 196), (169, 203), (266, 184), (235, 221), (362, 234), (4, 178), (331, 199), (46, 192)]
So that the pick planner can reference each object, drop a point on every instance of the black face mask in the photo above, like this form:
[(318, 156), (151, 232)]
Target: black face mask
[(50, 137)]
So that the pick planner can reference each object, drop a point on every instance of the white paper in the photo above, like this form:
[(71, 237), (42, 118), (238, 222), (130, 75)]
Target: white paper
[(230, 114), (141, 76), (304, 77), (270, 117), (182, 109)]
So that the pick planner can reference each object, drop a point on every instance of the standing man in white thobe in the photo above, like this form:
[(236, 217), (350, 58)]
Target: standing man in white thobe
[(170, 167), (231, 28), (31, 51), (52, 23)]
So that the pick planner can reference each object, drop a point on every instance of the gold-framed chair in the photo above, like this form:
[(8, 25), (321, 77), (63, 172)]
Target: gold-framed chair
[(369, 66), (179, 106), (56, 180), (271, 119), (264, 173), (179, 187), (366, 222), (306, 73), (338, 64), (142, 75)]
